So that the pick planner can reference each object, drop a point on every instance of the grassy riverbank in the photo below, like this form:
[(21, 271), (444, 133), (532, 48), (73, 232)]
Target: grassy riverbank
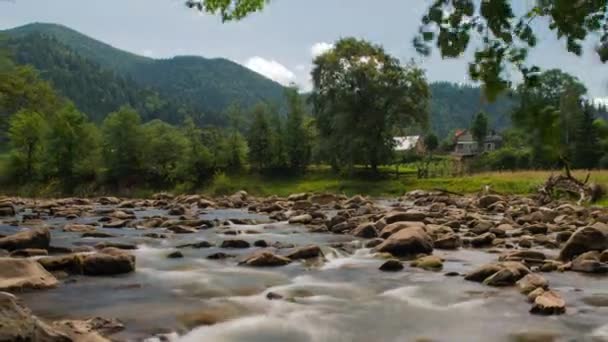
[(323, 180)]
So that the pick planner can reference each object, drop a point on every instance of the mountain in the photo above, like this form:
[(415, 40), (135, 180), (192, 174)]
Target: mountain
[(100, 78), (208, 85)]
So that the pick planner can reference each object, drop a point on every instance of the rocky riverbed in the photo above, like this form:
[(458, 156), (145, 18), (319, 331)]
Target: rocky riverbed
[(311, 267)]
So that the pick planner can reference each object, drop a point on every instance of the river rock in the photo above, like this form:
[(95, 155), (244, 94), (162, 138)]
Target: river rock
[(28, 252), (549, 303), (531, 282), (307, 252), (34, 238), (398, 216), (392, 228), (583, 240), (78, 228), (498, 274), (175, 255), (235, 244), (407, 242), (483, 240), (18, 323), (197, 245), (487, 200), (119, 245), (526, 255), (182, 229), (265, 259), (17, 274), (98, 235), (589, 262), (365, 230), (69, 263), (90, 330), (7, 209), (115, 224), (300, 219), (108, 261), (448, 241), (429, 262), (219, 256), (391, 265)]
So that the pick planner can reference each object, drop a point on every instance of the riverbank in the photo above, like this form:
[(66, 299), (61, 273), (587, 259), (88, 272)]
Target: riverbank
[(323, 180), (247, 268)]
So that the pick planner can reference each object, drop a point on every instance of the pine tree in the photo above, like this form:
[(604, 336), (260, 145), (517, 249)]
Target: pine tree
[(260, 135), (298, 142), (587, 147)]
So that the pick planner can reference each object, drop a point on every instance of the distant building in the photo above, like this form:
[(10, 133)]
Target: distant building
[(465, 145), (410, 143)]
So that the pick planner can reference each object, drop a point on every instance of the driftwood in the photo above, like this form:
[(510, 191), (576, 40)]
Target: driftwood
[(569, 184)]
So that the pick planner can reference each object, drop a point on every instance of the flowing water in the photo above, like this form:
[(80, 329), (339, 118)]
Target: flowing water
[(344, 298)]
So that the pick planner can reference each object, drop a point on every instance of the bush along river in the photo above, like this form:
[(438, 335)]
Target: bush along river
[(310, 267)]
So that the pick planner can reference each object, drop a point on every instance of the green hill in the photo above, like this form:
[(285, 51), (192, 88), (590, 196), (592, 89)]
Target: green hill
[(99, 78)]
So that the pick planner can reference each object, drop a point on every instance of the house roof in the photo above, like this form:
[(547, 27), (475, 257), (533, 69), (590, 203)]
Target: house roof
[(406, 143)]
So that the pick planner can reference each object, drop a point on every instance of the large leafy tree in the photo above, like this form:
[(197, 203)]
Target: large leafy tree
[(164, 148), (297, 140), (26, 133), (361, 97), (260, 139), (501, 31), (123, 145)]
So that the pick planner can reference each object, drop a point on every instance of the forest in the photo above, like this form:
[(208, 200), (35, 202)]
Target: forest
[(70, 122)]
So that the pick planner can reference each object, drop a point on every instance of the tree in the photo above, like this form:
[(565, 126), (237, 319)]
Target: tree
[(72, 147), (26, 132), (197, 162), (361, 96), (123, 144), (297, 142), (431, 143), (504, 28), (479, 129), (587, 150), (164, 148), (259, 139)]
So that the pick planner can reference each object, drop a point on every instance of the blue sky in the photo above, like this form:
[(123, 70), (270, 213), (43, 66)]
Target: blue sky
[(280, 41)]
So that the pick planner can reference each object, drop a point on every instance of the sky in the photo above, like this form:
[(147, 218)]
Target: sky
[(281, 41)]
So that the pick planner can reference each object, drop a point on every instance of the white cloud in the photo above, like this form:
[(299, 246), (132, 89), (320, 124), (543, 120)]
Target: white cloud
[(271, 69), (148, 53), (320, 48)]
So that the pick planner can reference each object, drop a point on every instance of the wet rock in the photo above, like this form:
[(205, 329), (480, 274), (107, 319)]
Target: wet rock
[(235, 244), (391, 265), (116, 224), (535, 293), (175, 255), (589, 262), (429, 262), (482, 227), (528, 256), (197, 245), (18, 323), (604, 256), (219, 256), (17, 274), (409, 241), (583, 240), (78, 228), (596, 300), (536, 229), (90, 330), (300, 219), (483, 240), (265, 259), (260, 243), (155, 235), (108, 261), (531, 282), (307, 252), (449, 241), (298, 197), (177, 211), (70, 263), (273, 296), (486, 201), (301, 205), (99, 235), (34, 238), (498, 274), (28, 252), (399, 216), (365, 230), (535, 336), (7, 209), (323, 199), (182, 229), (549, 303), (118, 245), (392, 228), (343, 227), (373, 243)]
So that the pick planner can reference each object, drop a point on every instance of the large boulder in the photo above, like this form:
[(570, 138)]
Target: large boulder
[(265, 259), (108, 261), (365, 230), (35, 238), (407, 242), (589, 262), (531, 282), (488, 200), (18, 324), (549, 303), (392, 228), (585, 239), (17, 274)]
